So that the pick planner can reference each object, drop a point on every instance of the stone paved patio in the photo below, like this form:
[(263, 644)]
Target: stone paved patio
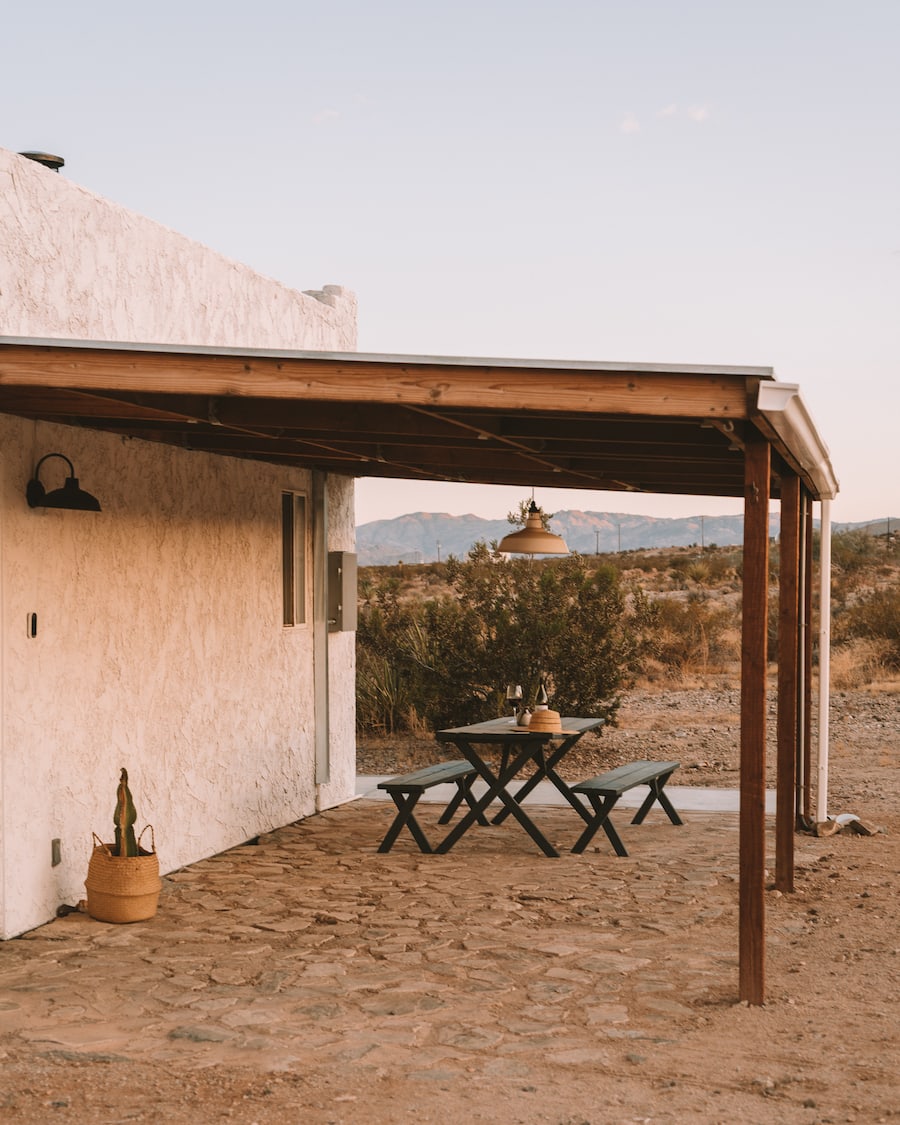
[(310, 952)]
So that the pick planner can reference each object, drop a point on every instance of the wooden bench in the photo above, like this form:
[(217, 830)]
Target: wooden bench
[(603, 792), (406, 790)]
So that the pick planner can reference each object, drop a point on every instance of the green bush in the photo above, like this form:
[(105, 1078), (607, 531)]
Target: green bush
[(447, 659)]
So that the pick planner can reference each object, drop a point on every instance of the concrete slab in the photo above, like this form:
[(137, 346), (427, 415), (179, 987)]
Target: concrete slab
[(685, 798)]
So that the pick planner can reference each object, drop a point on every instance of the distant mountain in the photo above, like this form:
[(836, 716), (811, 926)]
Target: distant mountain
[(429, 536)]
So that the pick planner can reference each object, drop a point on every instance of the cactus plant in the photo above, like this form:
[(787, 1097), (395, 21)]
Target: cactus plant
[(124, 818), (123, 882)]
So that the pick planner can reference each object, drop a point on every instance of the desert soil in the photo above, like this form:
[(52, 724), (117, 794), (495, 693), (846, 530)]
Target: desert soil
[(307, 978), (699, 726)]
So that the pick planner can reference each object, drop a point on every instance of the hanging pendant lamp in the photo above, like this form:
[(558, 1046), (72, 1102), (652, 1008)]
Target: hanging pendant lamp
[(533, 539)]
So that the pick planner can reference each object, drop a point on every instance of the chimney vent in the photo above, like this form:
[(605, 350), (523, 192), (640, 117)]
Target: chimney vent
[(45, 158)]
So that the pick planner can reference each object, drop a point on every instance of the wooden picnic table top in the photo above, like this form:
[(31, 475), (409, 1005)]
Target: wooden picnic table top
[(503, 730)]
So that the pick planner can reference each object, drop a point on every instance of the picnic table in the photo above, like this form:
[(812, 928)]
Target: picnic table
[(500, 752)]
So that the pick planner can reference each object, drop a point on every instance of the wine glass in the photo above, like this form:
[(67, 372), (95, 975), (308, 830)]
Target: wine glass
[(514, 697)]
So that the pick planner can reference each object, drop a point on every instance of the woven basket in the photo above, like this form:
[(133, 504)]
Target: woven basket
[(123, 889)]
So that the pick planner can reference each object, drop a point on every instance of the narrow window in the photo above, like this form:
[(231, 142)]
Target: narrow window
[(293, 557)]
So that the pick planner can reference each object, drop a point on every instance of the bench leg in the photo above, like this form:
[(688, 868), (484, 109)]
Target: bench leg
[(602, 807), (405, 803), (463, 793), (656, 794)]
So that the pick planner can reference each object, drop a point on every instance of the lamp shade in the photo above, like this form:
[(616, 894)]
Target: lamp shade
[(69, 496), (533, 539)]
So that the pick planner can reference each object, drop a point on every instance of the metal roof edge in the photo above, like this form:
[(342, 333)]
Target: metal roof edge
[(398, 359), (783, 408)]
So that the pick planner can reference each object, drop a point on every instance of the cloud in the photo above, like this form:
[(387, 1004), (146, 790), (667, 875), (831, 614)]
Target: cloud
[(326, 115), (698, 113), (669, 111), (630, 124)]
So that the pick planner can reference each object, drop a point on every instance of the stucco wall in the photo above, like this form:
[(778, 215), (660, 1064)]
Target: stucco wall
[(160, 643), (78, 266)]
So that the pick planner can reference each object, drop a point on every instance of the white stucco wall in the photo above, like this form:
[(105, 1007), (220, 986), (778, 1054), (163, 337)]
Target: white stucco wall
[(160, 644), (78, 266)]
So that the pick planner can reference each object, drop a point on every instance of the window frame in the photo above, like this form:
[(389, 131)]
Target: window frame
[(294, 558)]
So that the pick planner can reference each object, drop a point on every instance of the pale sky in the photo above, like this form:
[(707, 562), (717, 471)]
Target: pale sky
[(669, 181)]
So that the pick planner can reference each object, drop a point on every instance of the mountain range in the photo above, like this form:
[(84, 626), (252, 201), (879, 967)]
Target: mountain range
[(421, 537)]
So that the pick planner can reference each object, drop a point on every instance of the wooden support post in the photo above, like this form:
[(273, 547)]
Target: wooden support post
[(757, 483), (788, 676)]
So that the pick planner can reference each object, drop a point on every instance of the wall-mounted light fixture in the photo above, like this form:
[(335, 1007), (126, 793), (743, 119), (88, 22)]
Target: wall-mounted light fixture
[(533, 539), (69, 496)]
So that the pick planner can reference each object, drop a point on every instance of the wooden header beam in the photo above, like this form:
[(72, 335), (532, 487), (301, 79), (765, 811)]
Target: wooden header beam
[(654, 393)]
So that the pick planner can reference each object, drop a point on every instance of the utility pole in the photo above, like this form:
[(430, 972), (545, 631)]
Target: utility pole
[(439, 550), (597, 548)]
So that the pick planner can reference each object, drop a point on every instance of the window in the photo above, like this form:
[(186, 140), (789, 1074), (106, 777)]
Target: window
[(293, 557)]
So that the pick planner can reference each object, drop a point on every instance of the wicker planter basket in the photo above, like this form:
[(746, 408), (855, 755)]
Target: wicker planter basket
[(122, 889)]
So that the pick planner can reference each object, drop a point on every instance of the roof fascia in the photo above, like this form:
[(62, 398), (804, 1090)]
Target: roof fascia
[(782, 407)]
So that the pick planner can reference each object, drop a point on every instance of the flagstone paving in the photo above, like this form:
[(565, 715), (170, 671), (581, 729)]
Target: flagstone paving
[(308, 953)]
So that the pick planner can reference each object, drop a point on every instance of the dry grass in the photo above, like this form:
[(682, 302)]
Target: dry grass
[(861, 663)]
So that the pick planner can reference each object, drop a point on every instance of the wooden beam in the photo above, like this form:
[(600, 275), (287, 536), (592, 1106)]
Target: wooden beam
[(653, 393), (788, 677), (751, 938)]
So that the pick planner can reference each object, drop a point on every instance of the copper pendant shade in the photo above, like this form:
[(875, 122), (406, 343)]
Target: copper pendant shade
[(533, 539)]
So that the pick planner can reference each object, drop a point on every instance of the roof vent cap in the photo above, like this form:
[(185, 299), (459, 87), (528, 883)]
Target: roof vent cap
[(45, 158)]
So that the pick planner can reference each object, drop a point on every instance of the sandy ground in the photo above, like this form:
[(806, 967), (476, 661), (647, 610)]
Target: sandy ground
[(307, 978)]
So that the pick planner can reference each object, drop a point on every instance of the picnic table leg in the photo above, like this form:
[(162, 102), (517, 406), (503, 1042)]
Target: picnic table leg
[(404, 818), (602, 806), (545, 770), (656, 794), (476, 812), (496, 788), (463, 793)]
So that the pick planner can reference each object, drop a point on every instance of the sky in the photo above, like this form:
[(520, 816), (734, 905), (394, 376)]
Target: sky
[(673, 181)]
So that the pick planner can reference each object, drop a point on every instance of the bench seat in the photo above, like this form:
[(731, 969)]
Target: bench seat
[(406, 790), (605, 790)]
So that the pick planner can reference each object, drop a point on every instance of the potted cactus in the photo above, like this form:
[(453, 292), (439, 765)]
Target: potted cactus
[(123, 882)]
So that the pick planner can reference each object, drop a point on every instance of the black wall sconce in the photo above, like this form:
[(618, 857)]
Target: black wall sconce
[(69, 496)]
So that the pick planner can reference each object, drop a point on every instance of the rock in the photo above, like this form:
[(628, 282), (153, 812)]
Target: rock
[(864, 827), (827, 828)]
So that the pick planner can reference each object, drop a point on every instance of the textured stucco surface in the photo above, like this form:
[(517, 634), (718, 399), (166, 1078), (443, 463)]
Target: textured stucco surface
[(77, 266), (160, 642)]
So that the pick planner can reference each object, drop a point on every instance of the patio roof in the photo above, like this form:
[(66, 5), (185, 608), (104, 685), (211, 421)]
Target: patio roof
[(677, 429), (661, 428)]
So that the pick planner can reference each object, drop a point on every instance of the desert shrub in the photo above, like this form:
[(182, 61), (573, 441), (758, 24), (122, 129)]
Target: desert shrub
[(875, 616), (692, 634), (852, 551), (381, 693), (860, 662), (448, 659)]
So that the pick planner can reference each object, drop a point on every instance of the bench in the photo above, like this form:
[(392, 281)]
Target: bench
[(603, 792), (406, 790)]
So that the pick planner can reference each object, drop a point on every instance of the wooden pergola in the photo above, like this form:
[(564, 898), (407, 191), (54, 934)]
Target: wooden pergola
[(670, 429)]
